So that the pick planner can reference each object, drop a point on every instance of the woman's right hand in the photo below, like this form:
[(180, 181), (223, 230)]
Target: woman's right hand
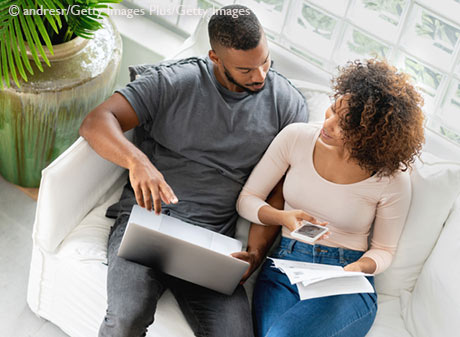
[(293, 219)]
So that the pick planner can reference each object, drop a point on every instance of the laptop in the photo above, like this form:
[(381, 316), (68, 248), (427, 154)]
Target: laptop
[(177, 248)]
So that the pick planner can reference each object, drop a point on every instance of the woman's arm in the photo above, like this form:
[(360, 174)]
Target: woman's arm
[(267, 173), (389, 222), (273, 165), (290, 219), (261, 237)]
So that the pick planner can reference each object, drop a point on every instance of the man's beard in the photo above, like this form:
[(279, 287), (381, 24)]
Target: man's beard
[(232, 80)]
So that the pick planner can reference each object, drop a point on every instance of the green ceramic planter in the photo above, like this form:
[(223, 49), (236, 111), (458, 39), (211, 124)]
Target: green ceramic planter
[(41, 119)]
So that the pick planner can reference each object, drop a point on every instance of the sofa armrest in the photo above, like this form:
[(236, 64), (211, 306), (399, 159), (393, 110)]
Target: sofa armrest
[(70, 187)]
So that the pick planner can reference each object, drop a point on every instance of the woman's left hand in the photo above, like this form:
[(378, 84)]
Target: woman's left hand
[(364, 265), (355, 266)]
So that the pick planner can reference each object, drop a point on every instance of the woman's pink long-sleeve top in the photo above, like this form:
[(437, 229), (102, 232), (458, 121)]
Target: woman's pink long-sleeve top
[(374, 207)]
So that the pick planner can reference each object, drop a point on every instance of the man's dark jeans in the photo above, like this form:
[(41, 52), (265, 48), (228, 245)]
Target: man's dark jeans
[(133, 291)]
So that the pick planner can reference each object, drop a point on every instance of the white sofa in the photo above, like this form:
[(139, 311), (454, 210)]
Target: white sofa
[(418, 294)]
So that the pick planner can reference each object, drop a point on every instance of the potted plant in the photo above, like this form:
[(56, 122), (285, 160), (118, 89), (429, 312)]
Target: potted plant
[(58, 60)]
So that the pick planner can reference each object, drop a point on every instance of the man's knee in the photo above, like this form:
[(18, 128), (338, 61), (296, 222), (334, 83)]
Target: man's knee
[(132, 295), (131, 321)]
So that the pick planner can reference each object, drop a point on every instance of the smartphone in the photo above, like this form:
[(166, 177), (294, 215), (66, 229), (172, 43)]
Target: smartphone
[(309, 232)]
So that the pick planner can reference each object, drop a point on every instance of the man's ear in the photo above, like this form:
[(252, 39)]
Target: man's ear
[(213, 56)]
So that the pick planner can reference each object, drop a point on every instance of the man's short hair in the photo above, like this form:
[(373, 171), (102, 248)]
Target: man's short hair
[(234, 26)]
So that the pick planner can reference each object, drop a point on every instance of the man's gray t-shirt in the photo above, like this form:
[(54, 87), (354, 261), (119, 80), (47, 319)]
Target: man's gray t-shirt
[(204, 138)]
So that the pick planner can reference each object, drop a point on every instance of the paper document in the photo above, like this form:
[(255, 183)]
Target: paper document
[(319, 280)]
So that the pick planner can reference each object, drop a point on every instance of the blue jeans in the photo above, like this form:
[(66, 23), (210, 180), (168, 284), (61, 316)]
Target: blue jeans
[(279, 311)]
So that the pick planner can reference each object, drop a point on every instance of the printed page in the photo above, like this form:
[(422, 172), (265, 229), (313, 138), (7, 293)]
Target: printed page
[(335, 286), (318, 280)]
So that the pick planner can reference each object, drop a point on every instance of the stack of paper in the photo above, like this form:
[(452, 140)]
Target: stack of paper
[(319, 280)]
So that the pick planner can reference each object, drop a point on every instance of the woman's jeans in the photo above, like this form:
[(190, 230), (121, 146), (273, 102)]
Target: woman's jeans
[(279, 311)]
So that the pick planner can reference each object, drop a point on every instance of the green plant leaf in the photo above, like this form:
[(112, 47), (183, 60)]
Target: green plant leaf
[(9, 53), (22, 46), (17, 57), (36, 39), (30, 42), (31, 31), (54, 20), (44, 34), (4, 62), (85, 25)]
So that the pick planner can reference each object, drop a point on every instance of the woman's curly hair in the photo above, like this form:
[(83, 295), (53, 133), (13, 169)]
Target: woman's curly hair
[(383, 128)]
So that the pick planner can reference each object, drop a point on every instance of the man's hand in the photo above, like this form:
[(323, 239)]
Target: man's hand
[(104, 129), (147, 181), (254, 259)]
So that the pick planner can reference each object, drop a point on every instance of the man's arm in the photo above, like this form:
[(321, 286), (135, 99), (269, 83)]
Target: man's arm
[(261, 237), (104, 129)]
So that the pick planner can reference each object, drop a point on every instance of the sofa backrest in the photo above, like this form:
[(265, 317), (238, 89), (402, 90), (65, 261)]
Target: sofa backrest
[(435, 186), (59, 209), (433, 308)]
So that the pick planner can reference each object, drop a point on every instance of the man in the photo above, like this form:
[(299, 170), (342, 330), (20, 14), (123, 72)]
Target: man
[(202, 125)]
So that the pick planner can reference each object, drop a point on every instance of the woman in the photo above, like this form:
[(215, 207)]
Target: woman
[(349, 172)]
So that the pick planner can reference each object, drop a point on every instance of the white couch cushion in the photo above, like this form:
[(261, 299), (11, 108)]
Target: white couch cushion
[(60, 209), (435, 185), (389, 321), (317, 99), (88, 240), (433, 309)]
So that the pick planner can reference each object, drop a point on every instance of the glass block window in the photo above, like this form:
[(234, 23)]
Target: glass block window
[(430, 36), (381, 17), (356, 44), (420, 37), (312, 29), (270, 12)]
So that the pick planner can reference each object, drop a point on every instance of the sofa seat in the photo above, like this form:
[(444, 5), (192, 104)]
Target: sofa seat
[(388, 321), (72, 280), (72, 283)]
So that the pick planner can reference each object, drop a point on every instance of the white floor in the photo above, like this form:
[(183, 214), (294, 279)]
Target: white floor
[(17, 211)]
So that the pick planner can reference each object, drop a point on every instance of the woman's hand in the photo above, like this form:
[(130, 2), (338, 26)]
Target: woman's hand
[(293, 219), (364, 265)]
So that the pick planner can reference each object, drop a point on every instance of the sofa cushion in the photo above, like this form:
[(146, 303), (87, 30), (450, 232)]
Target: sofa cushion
[(435, 185), (88, 240), (60, 206), (433, 308), (317, 99), (389, 321)]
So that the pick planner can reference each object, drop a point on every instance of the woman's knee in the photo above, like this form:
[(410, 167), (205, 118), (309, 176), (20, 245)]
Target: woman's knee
[(318, 321), (358, 327)]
